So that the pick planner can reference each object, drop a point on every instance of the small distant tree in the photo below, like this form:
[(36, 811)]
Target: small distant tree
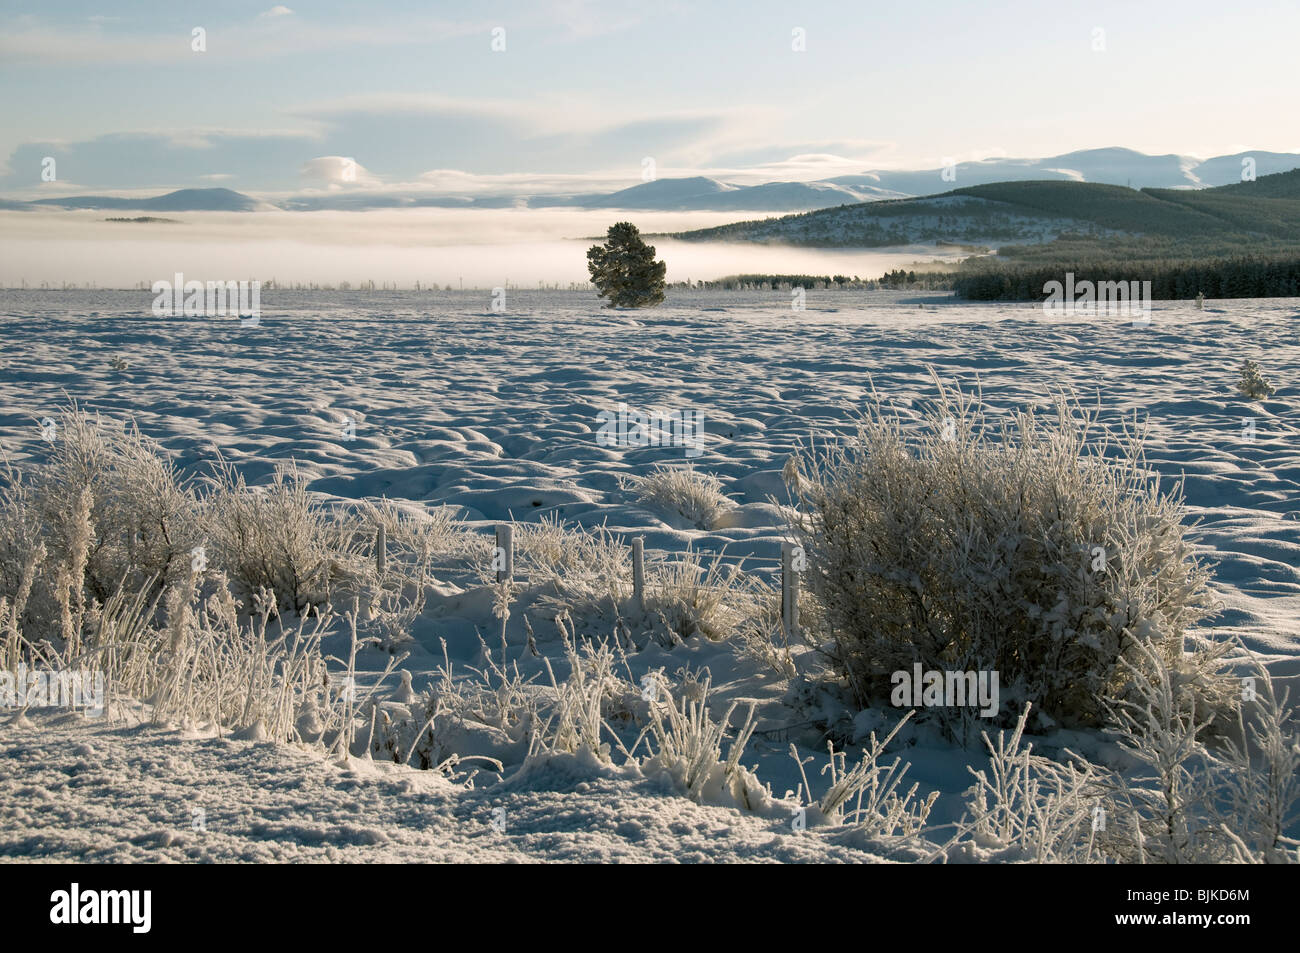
[(624, 269), (1253, 385)]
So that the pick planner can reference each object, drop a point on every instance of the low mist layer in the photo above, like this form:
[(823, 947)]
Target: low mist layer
[(478, 248)]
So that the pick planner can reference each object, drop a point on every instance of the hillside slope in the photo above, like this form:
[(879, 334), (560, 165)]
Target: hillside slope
[(1037, 212), (183, 200)]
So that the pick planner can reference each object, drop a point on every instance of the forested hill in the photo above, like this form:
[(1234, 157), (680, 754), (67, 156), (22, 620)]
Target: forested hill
[(1265, 211)]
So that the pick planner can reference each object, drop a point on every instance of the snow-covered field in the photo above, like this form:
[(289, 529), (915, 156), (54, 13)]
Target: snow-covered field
[(496, 414)]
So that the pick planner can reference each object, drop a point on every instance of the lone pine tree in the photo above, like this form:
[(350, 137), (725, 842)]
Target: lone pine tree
[(624, 269)]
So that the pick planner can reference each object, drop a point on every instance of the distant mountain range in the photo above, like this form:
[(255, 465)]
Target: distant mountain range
[(1243, 215), (1108, 166), (704, 194), (185, 200), (1114, 166), (666, 195)]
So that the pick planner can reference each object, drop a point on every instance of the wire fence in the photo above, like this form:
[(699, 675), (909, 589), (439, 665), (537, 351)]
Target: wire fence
[(789, 566)]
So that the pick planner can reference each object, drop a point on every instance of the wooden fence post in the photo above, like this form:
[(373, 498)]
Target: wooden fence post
[(638, 572), (505, 552), (789, 590)]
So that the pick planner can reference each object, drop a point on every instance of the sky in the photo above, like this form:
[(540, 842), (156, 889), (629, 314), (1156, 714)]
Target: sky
[(577, 95)]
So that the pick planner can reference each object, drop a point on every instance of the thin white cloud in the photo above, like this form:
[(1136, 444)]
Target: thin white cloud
[(582, 19), (414, 104), (279, 10), (337, 172), (551, 116), (261, 38)]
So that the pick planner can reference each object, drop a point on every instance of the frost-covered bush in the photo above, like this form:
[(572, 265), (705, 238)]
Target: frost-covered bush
[(867, 795), (577, 720), (108, 512), (1042, 550), (413, 537), (589, 573), (1262, 776), (1172, 793), (277, 538), (105, 510), (388, 562), (762, 637), (492, 714), (199, 662), (143, 517), (591, 569), (1165, 800), (692, 494), (212, 668), (482, 717), (686, 745), (1028, 807), (1252, 384), (22, 558), (688, 596)]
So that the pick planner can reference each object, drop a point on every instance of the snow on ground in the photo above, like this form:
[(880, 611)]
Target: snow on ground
[(495, 413), (108, 795)]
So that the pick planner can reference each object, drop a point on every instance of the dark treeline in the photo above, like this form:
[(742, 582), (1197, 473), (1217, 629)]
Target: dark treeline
[(776, 282), (1241, 277), (898, 279)]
